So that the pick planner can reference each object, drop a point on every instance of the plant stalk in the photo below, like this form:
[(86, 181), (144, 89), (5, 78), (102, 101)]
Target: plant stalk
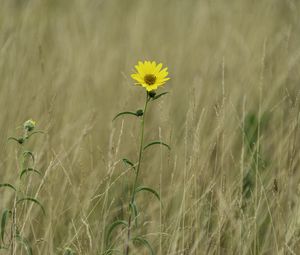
[(137, 173), (14, 229)]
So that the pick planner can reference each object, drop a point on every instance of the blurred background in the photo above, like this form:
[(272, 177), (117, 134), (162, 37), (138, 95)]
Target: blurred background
[(229, 185)]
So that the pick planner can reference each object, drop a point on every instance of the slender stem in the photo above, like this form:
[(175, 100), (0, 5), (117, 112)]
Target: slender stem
[(14, 229), (14, 209), (137, 173), (141, 148)]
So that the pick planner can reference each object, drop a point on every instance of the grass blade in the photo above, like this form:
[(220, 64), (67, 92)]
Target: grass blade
[(2, 185), (34, 201), (4, 218), (113, 226), (27, 170), (144, 188), (144, 242), (157, 142)]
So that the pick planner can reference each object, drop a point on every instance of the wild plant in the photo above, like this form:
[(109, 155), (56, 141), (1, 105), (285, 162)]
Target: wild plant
[(150, 76), (14, 217)]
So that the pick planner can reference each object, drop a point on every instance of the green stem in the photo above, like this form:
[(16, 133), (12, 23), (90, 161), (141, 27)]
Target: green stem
[(141, 149), (14, 209), (18, 186), (137, 172)]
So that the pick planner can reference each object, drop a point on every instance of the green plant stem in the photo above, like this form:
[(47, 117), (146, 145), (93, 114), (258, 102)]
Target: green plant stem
[(13, 226), (14, 209), (137, 173)]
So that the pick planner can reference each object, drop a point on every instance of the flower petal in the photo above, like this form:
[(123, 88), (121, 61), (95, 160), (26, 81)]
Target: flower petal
[(157, 68)]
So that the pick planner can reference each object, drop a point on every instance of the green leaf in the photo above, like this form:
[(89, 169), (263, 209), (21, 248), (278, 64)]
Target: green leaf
[(144, 188), (7, 185), (4, 218), (124, 113), (128, 162), (159, 95), (113, 226), (27, 170), (144, 242), (20, 140), (28, 154), (34, 201), (3, 248), (157, 142), (25, 243), (134, 211)]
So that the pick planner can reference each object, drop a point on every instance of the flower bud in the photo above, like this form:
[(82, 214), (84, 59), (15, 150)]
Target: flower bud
[(29, 125), (139, 113), (152, 93), (21, 140)]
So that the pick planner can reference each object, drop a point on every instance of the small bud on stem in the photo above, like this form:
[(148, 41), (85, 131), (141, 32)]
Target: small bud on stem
[(139, 113), (152, 93), (29, 125)]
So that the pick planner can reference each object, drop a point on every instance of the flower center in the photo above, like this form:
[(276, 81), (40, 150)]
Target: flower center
[(150, 79)]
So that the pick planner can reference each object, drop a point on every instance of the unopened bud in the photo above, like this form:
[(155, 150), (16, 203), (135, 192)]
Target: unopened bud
[(29, 125), (139, 112), (152, 93)]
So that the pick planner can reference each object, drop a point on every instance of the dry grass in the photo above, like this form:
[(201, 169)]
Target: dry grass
[(231, 118)]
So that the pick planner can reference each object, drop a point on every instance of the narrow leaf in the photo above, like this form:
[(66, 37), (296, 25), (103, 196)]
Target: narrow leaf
[(25, 243), (134, 211), (128, 162), (144, 242), (157, 142), (4, 219), (124, 113), (144, 188), (34, 201), (28, 154), (28, 170), (13, 138), (7, 185), (18, 140), (159, 95), (113, 226)]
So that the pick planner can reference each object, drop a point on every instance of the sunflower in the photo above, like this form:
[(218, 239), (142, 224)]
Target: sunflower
[(150, 75)]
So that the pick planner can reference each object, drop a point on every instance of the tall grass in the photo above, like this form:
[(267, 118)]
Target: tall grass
[(230, 185)]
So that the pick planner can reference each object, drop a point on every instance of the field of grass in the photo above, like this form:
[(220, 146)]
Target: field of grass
[(230, 183)]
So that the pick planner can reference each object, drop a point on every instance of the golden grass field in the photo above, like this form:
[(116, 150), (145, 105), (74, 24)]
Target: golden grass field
[(231, 182)]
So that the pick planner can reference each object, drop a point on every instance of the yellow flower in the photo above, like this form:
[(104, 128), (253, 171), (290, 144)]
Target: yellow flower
[(150, 75)]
